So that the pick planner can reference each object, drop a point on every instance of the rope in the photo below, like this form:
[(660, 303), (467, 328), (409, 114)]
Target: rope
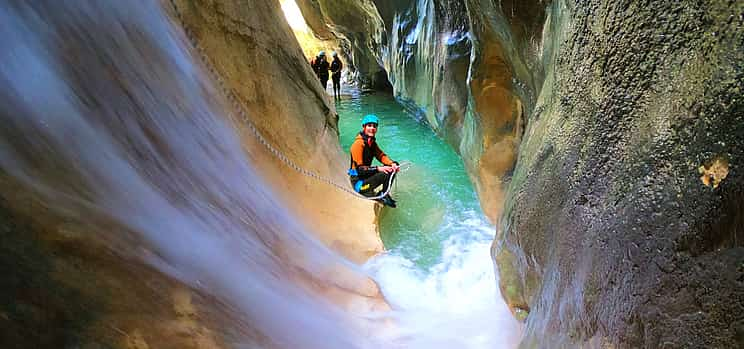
[(234, 100)]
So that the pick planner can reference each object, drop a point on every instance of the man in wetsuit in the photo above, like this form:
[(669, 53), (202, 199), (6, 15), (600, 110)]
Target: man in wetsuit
[(366, 179), (321, 69), (336, 67)]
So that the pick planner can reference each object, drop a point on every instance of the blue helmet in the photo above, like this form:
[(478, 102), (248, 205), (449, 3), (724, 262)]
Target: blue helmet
[(370, 119)]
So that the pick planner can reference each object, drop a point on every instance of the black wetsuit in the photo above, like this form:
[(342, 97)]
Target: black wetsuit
[(365, 178), (321, 68), (336, 67)]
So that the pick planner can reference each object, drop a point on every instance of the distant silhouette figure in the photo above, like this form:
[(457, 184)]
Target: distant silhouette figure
[(320, 67), (336, 67)]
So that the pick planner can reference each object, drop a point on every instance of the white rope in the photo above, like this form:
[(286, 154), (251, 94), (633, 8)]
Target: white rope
[(403, 167), (234, 100)]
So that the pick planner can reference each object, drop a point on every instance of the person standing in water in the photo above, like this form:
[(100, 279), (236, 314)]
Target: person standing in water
[(366, 179), (336, 67)]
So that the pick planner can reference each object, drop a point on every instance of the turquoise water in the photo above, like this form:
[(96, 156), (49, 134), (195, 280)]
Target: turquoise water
[(434, 195), (438, 273)]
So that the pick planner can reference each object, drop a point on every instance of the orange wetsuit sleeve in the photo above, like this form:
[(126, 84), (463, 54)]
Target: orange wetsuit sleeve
[(357, 156), (381, 156)]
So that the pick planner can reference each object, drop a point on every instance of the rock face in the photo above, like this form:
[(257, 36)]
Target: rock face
[(615, 231), (622, 223), (60, 290)]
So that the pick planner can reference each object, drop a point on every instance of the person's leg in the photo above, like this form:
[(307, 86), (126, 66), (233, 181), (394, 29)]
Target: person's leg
[(375, 184), (324, 82), (337, 86)]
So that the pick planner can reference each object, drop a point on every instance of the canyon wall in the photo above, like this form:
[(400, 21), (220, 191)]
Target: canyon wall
[(470, 69), (624, 216), (610, 136)]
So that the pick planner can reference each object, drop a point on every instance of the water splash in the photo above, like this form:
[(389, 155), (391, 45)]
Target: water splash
[(455, 303)]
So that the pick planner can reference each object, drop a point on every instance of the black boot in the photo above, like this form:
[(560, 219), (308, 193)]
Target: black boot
[(387, 201)]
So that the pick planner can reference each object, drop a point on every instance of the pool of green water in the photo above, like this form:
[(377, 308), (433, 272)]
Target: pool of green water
[(435, 197)]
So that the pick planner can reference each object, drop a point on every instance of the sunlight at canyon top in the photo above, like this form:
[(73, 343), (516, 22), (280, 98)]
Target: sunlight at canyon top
[(309, 43), (294, 16)]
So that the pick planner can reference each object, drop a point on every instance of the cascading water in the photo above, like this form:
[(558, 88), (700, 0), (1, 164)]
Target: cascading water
[(108, 117)]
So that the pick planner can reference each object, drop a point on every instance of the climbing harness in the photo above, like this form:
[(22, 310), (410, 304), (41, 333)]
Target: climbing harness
[(234, 100)]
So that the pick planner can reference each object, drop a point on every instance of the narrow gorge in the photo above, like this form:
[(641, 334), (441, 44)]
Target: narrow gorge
[(173, 175)]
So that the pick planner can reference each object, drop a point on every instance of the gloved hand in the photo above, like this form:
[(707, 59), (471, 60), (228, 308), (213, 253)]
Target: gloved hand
[(388, 169)]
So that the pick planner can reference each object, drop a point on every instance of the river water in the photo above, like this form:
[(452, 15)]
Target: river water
[(437, 272), (109, 118)]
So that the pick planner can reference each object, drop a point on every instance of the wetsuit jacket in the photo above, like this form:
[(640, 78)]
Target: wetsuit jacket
[(336, 67), (362, 151), (321, 68)]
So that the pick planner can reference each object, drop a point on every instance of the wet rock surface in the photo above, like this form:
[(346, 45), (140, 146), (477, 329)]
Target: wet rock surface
[(62, 289), (611, 236)]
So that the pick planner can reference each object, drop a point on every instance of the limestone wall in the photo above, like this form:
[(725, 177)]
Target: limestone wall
[(62, 288), (623, 220)]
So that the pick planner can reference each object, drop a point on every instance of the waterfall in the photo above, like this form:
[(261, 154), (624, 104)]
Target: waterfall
[(108, 117)]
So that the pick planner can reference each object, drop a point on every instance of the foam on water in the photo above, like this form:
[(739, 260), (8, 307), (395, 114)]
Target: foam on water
[(455, 303)]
